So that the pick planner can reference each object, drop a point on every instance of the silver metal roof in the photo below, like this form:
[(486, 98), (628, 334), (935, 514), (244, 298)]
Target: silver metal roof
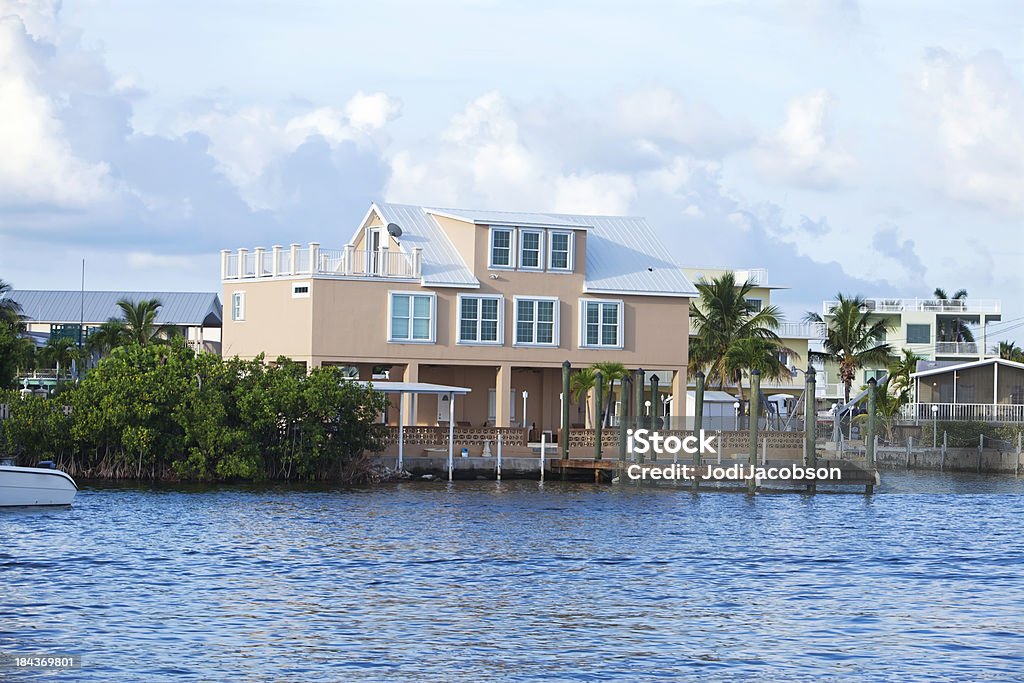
[(65, 306), (624, 255), (414, 388), (442, 264)]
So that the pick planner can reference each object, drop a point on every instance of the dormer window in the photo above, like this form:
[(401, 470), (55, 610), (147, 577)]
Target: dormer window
[(531, 246), (560, 256), (501, 248)]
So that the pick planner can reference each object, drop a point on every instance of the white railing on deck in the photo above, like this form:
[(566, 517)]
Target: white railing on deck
[(972, 348), (313, 260), (897, 305), (962, 412), (801, 330)]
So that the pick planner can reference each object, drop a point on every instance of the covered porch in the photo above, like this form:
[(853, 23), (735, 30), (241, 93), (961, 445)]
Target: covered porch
[(983, 391)]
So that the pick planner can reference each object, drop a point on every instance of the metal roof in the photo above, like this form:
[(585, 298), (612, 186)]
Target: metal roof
[(967, 365), (442, 264), (65, 306), (414, 388), (624, 255)]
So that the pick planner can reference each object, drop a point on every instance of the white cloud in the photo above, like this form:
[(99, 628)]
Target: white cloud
[(663, 115), (804, 153), (37, 164), (978, 119)]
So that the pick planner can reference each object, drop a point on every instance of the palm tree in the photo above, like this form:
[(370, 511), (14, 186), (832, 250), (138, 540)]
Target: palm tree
[(852, 339), (722, 316), (1009, 350), (611, 372), (10, 310), (107, 337), (140, 321), (580, 384), (59, 351), (954, 330), (899, 374), (755, 353)]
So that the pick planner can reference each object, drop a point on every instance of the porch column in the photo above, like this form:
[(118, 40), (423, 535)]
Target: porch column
[(678, 396), (502, 391), (408, 401)]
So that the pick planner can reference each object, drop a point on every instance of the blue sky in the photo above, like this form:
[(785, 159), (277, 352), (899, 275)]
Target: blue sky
[(865, 147)]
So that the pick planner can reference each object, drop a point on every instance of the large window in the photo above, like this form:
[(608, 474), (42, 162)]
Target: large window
[(501, 248), (411, 317), (601, 324), (560, 256), (754, 305), (919, 334), (531, 247), (537, 321), (238, 306), (480, 319)]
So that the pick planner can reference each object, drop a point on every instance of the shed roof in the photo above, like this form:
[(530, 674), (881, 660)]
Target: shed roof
[(966, 366), (415, 388), (67, 306)]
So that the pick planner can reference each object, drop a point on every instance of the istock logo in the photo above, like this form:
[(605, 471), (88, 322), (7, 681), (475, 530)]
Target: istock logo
[(643, 441)]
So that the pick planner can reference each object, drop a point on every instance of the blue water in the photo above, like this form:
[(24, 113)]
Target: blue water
[(520, 581)]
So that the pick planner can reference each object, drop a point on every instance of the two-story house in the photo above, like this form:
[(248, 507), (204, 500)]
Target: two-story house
[(490, 300)]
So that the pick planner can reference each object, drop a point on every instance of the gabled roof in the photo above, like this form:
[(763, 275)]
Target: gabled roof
[(624, 255), (66, 306), (949, 366)]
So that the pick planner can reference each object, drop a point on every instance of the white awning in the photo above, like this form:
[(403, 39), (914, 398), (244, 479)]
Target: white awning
[(415, 388)]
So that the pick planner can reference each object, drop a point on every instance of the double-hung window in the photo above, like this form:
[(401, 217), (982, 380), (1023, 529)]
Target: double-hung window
[(501, 248), (411, 317), (601, 323), (531, 249), (536, 321), (238, 306), (560, 253), (480, 319)]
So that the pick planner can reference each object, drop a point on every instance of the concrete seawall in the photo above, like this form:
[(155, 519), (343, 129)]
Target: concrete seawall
[(954, 460)]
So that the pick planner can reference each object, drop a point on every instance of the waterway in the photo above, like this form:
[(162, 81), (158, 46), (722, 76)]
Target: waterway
[(481, 580)]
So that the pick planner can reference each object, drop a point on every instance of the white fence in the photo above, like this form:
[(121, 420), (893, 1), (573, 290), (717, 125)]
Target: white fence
[(962, 412), (312, 260)]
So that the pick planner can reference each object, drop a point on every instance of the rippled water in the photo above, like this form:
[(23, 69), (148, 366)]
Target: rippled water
[(485, 581)]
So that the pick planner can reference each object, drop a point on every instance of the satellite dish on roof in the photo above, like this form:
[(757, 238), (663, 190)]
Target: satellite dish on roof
[(394, 230)]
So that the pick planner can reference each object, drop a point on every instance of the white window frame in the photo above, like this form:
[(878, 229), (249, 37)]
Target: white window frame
[(511, 248), (301, 295), (240, 295), (620, 326), (540, 248), (556, 314), (572, 248), (759, 300), (433, 317), (478, 341)]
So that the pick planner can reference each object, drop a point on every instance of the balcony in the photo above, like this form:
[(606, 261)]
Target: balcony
[(962, 412), (948, 306), (755, 276), (801, 330), (383, 263), (957, 348)]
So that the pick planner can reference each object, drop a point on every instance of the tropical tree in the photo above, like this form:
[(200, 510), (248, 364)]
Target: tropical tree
[(10, 310), (1009, 350), (899, 371), (140, 321), (107, 337), (59, 352), (611, 372), (852, 339), (754, 353), (580, 385), (721, 316), (887, 412), (954, 329)]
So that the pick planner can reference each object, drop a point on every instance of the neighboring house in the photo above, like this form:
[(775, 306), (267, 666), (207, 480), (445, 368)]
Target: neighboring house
[(918, 325), (490, 300), (989, 390), (70, 313), (795, 336)]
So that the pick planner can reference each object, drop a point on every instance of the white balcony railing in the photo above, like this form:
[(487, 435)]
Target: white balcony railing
[(755, 276), (949, 306), (962, 412), (801, 330), (312, 260), (829, 390), (954, 348)]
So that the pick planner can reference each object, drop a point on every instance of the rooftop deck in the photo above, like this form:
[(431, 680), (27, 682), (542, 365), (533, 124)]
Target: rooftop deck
[(312, 260), (950, 306)]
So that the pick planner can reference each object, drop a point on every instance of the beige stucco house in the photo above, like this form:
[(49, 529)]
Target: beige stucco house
[(490, 300)]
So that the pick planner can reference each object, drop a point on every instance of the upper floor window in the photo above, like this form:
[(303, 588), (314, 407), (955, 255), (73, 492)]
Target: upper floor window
[(411, 317), (919, 334), (560, 256), (480, 319), (601, 323), (300, 290), (531, 249), (501, 248), (238, 306), (754, 305), (536, 321)]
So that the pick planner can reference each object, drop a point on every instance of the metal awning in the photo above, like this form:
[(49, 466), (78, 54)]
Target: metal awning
[(415, 388)]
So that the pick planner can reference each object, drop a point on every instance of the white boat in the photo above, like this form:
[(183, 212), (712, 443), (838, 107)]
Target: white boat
[(31, 486)]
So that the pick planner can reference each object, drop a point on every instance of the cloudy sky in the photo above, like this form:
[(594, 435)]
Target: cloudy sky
[(865, 147)]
